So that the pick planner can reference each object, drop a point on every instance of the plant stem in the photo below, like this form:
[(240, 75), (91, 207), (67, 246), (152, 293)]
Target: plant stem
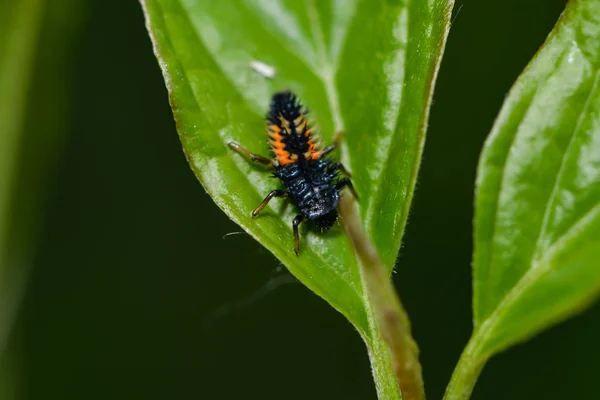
[(388, 319), (466, 372), (381, 364)]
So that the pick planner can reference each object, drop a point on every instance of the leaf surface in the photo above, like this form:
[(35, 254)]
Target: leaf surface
[(537, 223), (362, 67)]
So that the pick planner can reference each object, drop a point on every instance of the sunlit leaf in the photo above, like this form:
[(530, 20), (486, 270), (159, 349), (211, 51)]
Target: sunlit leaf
[(537, 224), (362, 67), (537, 221), (355, 64)]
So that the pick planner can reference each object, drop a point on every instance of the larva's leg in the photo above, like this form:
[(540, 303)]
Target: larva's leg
[(263, 204), (345, 182), (336, 142), (343, 170), (297, 221), (250, 156)]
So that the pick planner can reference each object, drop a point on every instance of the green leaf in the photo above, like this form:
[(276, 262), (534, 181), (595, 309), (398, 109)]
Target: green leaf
[(537, 222), (363, 67), (538, 199), (348, 62)]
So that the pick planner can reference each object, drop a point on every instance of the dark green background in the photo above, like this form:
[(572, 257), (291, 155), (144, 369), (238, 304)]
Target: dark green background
[(135, 294)]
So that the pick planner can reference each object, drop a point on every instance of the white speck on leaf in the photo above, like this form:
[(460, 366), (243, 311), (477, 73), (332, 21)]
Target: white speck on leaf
[(264, 69)]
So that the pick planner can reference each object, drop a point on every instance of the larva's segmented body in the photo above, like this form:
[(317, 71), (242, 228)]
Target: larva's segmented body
[(290, 136), (311, 181)]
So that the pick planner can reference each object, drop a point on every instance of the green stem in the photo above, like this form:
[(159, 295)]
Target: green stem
[(393, 352), (384, 377), (467, 371)]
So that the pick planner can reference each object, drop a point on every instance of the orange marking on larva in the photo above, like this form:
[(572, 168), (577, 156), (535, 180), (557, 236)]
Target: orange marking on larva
[(276, 137), (313, 152), (283, 157), (276, 142)]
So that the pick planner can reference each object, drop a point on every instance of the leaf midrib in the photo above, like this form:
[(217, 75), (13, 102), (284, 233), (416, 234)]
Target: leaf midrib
[(327, 73)]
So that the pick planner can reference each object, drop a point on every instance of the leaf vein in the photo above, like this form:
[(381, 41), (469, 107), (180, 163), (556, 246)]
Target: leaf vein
[(561, 170), (533, 275), (168, 78), (501, 188)]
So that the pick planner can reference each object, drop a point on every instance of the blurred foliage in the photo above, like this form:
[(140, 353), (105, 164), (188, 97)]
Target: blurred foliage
[(36, 38), (135, 293), (18, 39)]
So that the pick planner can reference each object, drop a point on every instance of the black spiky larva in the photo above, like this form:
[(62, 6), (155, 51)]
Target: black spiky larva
[(311, 181)]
